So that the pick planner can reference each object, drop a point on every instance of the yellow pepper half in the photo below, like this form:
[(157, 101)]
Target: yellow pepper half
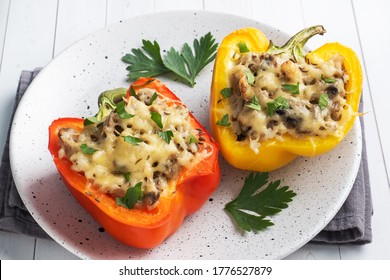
[(275, 153)]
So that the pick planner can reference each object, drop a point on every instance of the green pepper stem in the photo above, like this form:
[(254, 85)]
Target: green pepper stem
[(108, 100), (295, 45)]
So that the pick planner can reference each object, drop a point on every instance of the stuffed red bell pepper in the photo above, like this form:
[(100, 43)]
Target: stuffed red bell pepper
[(140, 166)]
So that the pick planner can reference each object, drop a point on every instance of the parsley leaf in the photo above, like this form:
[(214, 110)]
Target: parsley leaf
[(121, 110), (127, 176), (154, 97), (107, 102), (249, 76), (294, 89), (254, 104), (156, 117), (132, 92), (226, 92), (145, 62), (323, 101), (279, 103), (132, 140), (242, 47), (87, 150), (193, 139), (132, 196), (256, 202), (166, 135), (224, 121), (188, 64), (328, 80)]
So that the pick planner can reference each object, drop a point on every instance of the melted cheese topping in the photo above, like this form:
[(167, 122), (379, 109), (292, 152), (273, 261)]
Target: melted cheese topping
[(303, 115), (152, 160)]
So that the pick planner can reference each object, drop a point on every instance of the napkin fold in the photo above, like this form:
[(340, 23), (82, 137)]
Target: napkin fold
[(351, 225), (14, 216)]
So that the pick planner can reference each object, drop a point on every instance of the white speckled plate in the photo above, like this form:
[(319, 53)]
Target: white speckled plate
[(69, 87)]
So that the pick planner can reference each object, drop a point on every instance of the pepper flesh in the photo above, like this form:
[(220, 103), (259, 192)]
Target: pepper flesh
[(142, 227), (274, 153)]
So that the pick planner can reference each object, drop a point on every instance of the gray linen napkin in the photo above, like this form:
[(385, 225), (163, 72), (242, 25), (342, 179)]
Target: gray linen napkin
[(14, 216), (351, 225)]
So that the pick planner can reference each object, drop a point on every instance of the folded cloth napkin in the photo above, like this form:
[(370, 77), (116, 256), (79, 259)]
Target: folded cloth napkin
[(351, 225), (14, 216)]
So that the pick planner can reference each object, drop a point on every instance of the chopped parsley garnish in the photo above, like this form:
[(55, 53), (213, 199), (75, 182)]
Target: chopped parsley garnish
[(87, 150), (279, 103), (166, 135), (132, 92), (242, 47), (254, 104), (127, 176), (132, 196), (193, 139), (323, 101), (154, 97), (187, 64), (121, 110), (132, 140), (328, 80), (294, 89), (224, 121), (226, 92), (156, 117), (255, 203), (249, 76)]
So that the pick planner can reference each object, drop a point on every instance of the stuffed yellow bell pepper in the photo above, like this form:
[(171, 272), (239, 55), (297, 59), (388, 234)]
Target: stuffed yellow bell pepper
[(270, 104)]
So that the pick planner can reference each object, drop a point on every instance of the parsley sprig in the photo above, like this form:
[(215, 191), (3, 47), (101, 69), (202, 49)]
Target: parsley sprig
[(187, 63), (251, 208), (145, 62)]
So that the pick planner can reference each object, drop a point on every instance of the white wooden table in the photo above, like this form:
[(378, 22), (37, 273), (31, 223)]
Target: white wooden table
[(32, 32)]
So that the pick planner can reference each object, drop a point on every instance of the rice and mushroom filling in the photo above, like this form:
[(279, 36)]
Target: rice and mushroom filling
[(295, 98), (136, 149)]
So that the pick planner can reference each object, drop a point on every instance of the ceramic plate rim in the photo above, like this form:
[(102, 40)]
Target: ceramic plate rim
[(31, 89)]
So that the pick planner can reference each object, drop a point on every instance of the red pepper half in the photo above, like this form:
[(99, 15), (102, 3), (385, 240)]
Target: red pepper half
[(142, 227)]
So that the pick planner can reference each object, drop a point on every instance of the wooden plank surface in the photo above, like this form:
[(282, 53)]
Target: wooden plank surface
[(28, 43), (373, 26), (4, 9), (290, 19), (118, 10), (76, 19)]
